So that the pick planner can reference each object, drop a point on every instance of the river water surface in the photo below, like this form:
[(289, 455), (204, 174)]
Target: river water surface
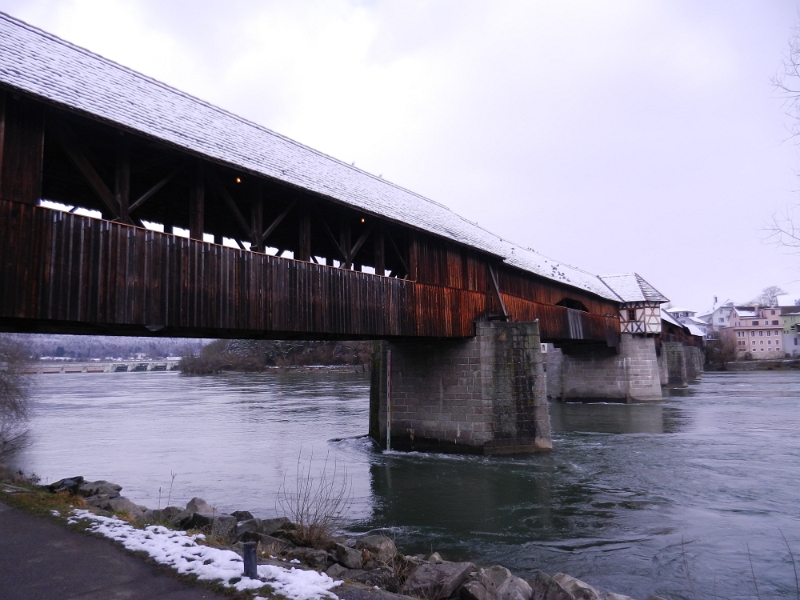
[(699, 490)]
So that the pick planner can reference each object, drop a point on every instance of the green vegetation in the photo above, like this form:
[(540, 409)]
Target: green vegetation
[(253, 356)]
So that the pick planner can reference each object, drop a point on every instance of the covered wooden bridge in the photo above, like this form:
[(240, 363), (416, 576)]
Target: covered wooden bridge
[(262, 236), (130, 208)]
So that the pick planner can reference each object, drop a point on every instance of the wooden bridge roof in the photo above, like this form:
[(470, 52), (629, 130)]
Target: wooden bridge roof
[(40, 64)]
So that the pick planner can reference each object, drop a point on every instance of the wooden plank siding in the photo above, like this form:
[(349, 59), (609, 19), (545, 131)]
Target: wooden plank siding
[(62, 268)]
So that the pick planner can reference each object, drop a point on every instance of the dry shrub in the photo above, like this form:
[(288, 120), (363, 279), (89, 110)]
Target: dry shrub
[(317, 504), (14, 396)]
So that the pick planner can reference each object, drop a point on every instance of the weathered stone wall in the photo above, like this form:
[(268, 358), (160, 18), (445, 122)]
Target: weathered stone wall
[(552, 363), (695, 359), (673, 362), (590, 373), (483, 395)]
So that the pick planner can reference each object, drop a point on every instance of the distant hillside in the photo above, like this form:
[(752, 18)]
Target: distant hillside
[(253, 356), (86, 347)]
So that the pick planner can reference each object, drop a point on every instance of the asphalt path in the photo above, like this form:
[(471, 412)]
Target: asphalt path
[(40, 559)]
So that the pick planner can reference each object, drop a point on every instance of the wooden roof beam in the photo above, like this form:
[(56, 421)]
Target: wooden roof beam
[(78, 155)]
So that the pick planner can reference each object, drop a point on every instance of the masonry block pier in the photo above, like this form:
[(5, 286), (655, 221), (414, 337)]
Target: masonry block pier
[(481, 395), (594, 374), (680, 364)]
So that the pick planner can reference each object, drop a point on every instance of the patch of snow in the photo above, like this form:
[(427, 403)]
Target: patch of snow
[(181, 552), (55, 513)]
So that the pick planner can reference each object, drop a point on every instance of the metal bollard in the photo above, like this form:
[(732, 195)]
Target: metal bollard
[(250, 560)]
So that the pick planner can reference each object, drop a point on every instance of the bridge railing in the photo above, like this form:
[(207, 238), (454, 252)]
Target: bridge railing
[(61, 271)]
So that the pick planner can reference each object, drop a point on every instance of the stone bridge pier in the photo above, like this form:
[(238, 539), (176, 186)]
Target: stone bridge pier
[(591, 373), (481, 395), (680, 364)]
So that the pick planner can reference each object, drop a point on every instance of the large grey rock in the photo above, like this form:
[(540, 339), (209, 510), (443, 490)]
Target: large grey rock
[(267, 543), (436, 581), (95, 488), (382, 577), (242, 515), (99, 500), (193, 520), (500, 584), (336, 571), (348, 557), (578, 589), (219, 525), (354, 591), (316, 559), (654, 597), (380, 547), (198, 505), (224, 526), (613, 596), (69, 484), (264, 526), (170, 512), (474, 590), (121, 504), (545, 587)]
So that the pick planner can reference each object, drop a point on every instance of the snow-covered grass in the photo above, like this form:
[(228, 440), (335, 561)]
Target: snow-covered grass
[(181, 552)]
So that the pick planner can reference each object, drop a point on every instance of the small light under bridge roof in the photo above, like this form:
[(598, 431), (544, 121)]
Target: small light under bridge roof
[(238, 180), (362, 220)]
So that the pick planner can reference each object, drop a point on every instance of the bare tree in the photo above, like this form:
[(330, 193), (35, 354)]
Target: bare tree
[(768, 296), (14, 396), (784, 227)]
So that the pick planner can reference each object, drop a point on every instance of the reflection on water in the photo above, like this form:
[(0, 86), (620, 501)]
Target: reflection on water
[(630, 494), (612, 418)]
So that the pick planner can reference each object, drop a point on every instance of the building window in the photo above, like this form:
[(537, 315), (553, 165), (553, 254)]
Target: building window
[(761, 334), (752, 333), (775, 323), (795, 341), (631, 314), (721, 320), (762, 342), (769, 343), (772, 312), (754, 342), (769, 333), (762, 349), (755, 322)]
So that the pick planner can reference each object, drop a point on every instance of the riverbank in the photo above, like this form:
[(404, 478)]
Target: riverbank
[(760, 365), (295, 560)]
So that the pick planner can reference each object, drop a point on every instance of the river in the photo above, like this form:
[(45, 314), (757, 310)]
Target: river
[(698, 490)]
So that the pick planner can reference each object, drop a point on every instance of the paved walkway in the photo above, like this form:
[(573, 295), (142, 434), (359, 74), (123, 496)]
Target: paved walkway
[(40, 559)]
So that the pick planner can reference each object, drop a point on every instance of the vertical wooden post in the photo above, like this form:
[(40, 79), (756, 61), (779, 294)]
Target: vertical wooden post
[(379, 247), (2, 135), (413, 256), (122, 179), (345, 242), (257, 221), (21, 149), (304, 246), (197, 203)]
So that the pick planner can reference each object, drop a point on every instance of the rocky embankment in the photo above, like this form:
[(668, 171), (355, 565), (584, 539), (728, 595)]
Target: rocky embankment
[(372, 560)]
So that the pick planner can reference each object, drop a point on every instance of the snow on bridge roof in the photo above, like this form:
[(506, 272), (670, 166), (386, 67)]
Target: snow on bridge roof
[(632, 288), (38, 63)]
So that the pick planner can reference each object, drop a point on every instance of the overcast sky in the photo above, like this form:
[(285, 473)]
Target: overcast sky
[(616, 136)]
